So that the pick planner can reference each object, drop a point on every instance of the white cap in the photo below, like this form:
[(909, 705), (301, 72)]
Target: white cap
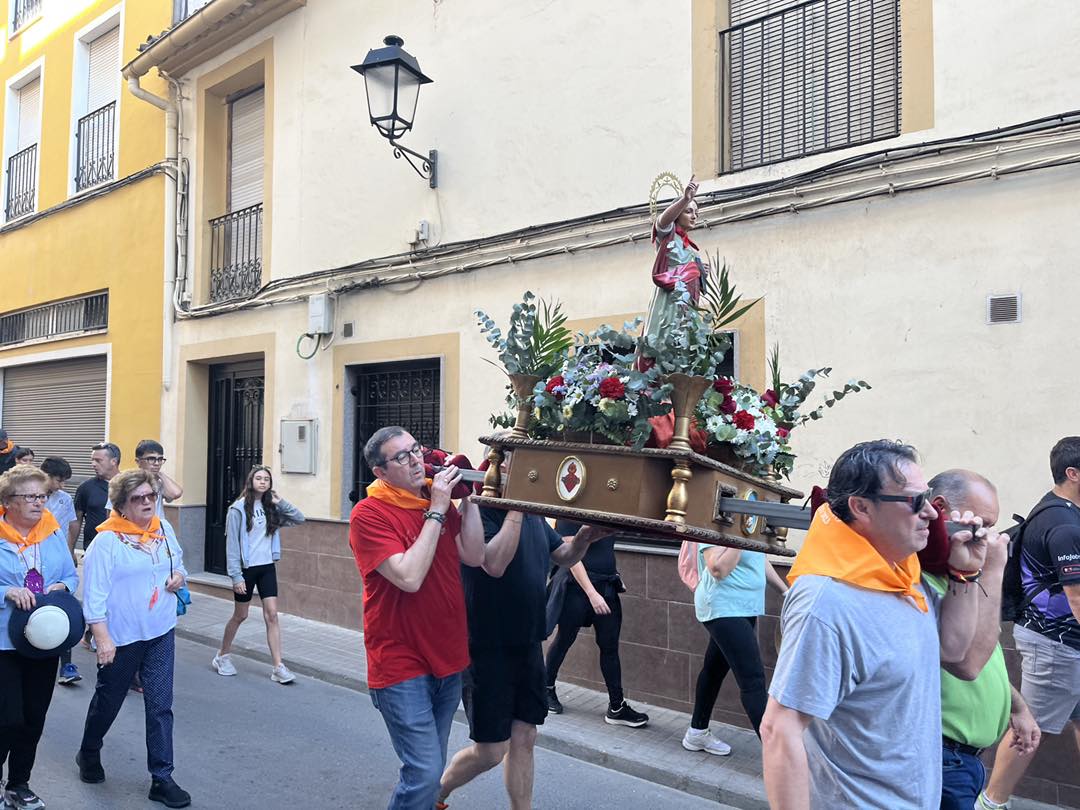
[(47, 627)]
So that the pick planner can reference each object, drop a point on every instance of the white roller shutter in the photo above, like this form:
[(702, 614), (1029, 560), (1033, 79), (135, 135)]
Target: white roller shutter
[(29, 114), (103, 74), (57, 409), (246, 151)]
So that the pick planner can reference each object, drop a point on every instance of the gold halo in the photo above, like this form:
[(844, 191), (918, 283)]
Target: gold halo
[(662, 181)]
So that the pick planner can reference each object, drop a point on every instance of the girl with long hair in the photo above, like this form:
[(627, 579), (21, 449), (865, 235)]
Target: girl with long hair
[(252, 547)]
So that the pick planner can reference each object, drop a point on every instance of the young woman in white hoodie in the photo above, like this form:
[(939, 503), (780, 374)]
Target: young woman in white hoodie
[(252, 547)]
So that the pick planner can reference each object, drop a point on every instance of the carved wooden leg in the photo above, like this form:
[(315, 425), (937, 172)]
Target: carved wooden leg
[(493, 475), (678, 497)]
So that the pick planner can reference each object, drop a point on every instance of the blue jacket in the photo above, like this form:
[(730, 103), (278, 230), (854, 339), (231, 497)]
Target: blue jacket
[(56, 566)]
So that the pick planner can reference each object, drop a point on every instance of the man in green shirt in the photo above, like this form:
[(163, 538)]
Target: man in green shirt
[(978, 704)]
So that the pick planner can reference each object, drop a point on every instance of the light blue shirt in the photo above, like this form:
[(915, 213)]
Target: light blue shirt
[(120, 581), (56, 565), (740, 593), (62, 508)]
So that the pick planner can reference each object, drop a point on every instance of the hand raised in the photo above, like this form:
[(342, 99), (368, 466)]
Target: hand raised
[(442, 485), (691, 188), (967, 547)]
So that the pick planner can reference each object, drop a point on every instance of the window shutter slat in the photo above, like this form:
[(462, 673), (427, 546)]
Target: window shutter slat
[(246, 155), (104, 70), (29, 114)]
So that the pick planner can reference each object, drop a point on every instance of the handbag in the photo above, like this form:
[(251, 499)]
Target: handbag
[(183, 595)]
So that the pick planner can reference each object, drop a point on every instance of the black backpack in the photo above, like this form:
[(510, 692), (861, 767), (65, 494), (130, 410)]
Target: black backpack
[(1013, 600)]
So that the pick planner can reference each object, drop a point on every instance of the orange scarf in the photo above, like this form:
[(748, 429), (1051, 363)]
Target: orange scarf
[(9, 445), (45, 526), (834, 549), (121, 525), (403, 499)]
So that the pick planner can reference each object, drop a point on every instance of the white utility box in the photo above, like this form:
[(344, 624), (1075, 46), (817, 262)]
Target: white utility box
[(299, 442), (320, 314)]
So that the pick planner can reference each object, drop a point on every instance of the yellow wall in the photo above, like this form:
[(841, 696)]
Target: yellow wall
[(113, 242)]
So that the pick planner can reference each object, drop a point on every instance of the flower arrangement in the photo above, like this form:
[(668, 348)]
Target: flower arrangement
[(599, 391), (689, 343)]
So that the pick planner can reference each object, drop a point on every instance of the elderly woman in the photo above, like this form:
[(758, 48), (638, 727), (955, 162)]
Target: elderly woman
[(132, 572), (34, 559)]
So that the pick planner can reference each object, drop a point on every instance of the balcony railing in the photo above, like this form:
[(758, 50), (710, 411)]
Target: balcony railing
[(21, 183), (236, 254), (95, 147), (59, 319), (25, 10)]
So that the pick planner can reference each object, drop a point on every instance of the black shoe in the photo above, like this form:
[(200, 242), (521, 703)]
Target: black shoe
[(554, 707), (90, 769), (169, 793), (625, 716)]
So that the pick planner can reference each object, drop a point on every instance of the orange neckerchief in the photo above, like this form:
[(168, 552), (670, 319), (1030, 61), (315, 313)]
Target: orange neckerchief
[(121, 525), (403, 499), (45, 526), (9, 445), (834, 549)]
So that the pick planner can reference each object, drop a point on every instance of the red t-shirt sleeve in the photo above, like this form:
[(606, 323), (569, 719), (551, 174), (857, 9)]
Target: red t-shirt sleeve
[(373, 539)]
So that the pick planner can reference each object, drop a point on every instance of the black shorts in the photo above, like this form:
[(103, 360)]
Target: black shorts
[(503, 684), (263, 577)]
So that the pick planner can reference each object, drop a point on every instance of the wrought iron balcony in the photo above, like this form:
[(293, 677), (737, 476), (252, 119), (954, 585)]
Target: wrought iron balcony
[(21, 183), (25, 10), (56, 320), (95, 147), (236, 254)]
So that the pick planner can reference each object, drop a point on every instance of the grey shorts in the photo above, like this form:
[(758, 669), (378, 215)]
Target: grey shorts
[(1050, 683)]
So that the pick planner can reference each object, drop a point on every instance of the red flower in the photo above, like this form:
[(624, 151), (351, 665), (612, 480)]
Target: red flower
[(743, 420), (783, 433), (723, 385), (555, 382), (612, 388), (728, 406), (770, 398)]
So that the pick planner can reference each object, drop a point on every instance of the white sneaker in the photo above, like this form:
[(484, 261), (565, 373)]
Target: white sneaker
[(703, 740), (281, 674), (223, 664)]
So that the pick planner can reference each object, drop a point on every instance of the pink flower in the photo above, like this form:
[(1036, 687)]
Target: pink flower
[(743, 420), (783, 433)]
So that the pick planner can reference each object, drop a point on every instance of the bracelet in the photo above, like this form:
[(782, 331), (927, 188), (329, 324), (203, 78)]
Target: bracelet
[(431, 514), (965, 576)]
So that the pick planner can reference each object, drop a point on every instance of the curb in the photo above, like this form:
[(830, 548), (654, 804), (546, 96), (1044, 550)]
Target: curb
[(737, 789)]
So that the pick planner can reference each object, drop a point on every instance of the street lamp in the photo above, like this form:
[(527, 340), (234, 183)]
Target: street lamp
[(392, 78)]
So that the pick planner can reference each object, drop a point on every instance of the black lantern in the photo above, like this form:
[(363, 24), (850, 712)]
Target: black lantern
[(392, 78)]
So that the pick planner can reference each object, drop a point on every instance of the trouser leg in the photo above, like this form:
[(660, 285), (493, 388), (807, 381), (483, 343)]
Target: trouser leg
[(575, 605), (157, 682), (37, 680), (713, 671), (112, 686), (737, 639), (607, 630)]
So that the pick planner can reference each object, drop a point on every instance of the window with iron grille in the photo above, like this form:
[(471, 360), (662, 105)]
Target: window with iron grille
[(59, 319), (406, 394), (800, 78), (23, 12)]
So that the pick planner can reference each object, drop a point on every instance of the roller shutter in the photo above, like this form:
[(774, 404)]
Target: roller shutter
[(57, 409), (246, 151), (103, 74), (29, 115)]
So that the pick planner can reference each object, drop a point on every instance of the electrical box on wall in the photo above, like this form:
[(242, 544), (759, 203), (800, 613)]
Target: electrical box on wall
[(298, 445), (320, 314)]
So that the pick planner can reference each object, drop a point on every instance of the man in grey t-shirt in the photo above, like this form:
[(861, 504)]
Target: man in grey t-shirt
[(854, 717)]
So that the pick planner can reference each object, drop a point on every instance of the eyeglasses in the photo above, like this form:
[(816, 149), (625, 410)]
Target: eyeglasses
[(402, 458), (149, 497), (31, 497), (154, 459), (916, 502)]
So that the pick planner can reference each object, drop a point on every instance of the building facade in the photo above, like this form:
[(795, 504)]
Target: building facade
[(82, 249), (898, 194)]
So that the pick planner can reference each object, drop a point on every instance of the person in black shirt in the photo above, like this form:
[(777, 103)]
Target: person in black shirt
[(504, 693), (1047, 636), (8, 449), (592, 598), (93, 493)]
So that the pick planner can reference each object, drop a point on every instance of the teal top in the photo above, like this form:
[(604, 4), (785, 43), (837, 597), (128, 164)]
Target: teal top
[(740, 593)]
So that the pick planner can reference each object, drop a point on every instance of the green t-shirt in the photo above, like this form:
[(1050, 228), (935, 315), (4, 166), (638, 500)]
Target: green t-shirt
[(974, 712)]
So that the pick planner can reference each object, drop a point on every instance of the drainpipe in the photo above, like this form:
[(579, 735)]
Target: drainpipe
[(171, 157)]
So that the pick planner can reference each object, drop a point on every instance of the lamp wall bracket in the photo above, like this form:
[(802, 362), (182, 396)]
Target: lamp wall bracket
[(429, 166)]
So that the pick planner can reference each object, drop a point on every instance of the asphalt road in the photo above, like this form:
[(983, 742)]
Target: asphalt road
[(246, 742)]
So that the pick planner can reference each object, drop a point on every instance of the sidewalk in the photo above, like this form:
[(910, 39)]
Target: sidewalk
[(336, 655)]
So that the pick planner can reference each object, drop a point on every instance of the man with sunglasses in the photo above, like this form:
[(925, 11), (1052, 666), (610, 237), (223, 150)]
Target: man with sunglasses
[(854, 714), (410, 543), (150, 456)]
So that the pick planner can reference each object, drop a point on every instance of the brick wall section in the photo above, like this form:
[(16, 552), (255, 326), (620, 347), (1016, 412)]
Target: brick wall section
[(317, 574)]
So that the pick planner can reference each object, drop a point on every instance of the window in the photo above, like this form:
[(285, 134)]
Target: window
[(805, 77), (182, 9), (75, 316), (95, 129), (21, 139), (236, 237), (23, 12)]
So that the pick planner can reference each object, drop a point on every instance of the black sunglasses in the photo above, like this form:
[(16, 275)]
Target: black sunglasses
[(916, 502)]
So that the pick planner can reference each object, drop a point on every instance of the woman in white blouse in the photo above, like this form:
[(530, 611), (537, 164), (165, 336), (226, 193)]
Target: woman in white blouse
[(131, 574)]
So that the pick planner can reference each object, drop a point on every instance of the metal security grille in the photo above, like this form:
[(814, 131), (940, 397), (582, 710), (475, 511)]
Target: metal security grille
[(406, 394), (59, 319), (25, 10), (236, 254), (21, 183), (802, 78), (95, 147), (58, 409)]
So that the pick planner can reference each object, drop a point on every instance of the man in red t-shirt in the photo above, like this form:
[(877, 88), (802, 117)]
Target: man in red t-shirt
[(409, 543)]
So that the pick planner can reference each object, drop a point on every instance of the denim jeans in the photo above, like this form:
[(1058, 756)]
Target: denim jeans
[(962, 777), (418, 713)]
